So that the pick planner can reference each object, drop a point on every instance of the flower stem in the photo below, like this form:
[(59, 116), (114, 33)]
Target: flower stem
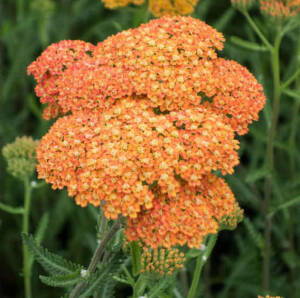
[(270, 160), (257, 30), (291, 79), (135, 252), (25, 229), (96, 257), (202, 258), (20, 10), (294, 113)]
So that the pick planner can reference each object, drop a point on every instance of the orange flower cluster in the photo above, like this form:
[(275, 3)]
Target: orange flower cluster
[(152, 113), (280, 9), (50, 67), (162, 261), (186, 219), (158, 7)]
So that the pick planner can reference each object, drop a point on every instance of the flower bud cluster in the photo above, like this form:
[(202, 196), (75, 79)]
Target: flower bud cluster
[(21, 157), (162, 261)]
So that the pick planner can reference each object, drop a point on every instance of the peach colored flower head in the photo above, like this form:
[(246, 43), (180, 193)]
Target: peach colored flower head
[(152, 113)]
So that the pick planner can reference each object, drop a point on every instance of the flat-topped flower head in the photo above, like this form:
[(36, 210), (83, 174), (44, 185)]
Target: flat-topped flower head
[(152, 112), (174, 62), (118, 155)]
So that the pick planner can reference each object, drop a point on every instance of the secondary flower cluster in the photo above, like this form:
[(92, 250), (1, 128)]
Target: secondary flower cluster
[(158, 7), (162, 261), (151, 115), (280, 9), (21, 157), (276, 9)]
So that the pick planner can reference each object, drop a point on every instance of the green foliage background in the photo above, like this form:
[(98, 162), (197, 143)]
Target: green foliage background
[(234, 269)]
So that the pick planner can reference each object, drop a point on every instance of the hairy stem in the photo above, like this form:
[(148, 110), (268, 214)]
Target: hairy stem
[(97, 256), (200, 263), (270, 161), (25, 229)]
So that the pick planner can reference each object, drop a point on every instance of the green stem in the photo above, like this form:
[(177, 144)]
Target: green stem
[(295, 114), (270, 160), (291, 79), (200, 263), (135, 252), (25, 229), (20, 10), (257, 30), (97, 256), (292, 144)]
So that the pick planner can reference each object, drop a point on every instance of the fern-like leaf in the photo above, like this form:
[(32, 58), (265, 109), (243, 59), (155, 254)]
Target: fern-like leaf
[(163, 284), (64, 280), (40, 233), (103, 280), (52, 263)]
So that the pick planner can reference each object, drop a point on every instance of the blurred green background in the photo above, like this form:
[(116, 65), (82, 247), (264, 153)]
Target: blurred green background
[(234, 269)]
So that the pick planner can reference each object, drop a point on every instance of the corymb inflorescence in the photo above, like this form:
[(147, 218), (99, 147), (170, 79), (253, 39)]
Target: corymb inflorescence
[(147, 118)]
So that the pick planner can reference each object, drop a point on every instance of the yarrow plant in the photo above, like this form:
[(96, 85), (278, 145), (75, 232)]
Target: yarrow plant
[(152, 116), (147, 124), (158, 7)]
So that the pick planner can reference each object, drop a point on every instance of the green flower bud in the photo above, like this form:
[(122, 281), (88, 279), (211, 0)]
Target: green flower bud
[(21, 157), (231, 222)]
